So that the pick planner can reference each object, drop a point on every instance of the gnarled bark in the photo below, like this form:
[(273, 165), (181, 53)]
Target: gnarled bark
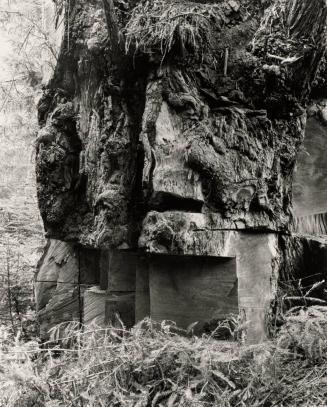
[(216, 132)]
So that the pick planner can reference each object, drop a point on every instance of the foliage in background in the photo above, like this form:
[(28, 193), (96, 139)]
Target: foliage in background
[(31, 51), (28, 55)]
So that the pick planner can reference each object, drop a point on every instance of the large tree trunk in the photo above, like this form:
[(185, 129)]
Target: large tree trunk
[(192, 109)]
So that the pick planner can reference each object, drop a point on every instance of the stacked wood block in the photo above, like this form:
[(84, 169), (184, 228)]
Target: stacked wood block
[(120, 305), (142, 289), (63, 273), (192, 289), (113, 302), (94, 306)]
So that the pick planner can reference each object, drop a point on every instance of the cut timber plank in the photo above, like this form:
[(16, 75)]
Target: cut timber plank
[(309, 185), (94, 306), (258, 257), (104, 269), (63, 307), (89, 265), (188, 289), (120, 306), (142, 290), (122, 268), (56, 288)]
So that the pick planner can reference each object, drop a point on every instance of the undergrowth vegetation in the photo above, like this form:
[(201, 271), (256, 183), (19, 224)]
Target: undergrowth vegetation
[(157, 26), (152, 365)]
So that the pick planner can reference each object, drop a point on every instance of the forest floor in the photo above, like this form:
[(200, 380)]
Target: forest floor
[(152, 365)]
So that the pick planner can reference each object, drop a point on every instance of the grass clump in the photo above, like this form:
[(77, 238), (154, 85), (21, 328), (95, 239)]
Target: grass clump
[(152, 365), (156, 27), (305, 332)]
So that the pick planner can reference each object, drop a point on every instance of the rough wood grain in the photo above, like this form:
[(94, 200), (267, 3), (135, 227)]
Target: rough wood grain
[(63, 307), (171, 173), (63, 273), (56, 286)]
